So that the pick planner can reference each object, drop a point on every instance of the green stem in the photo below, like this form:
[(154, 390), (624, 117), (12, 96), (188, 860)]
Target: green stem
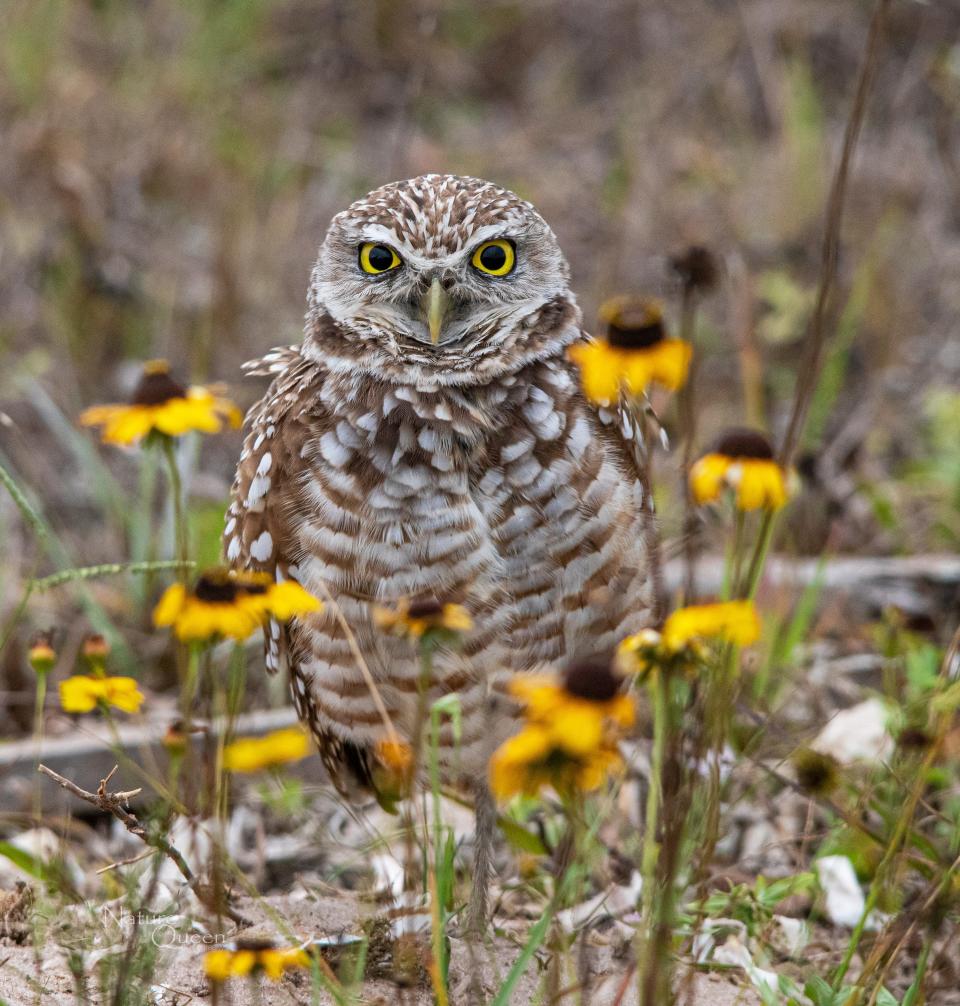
[(920, 968), (40, 700), (181, 533), (731, 565), (651, 848), (900, 833), (760, 553)]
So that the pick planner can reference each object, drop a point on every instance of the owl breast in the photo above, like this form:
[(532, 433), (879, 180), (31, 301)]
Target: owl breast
[(509, 500)]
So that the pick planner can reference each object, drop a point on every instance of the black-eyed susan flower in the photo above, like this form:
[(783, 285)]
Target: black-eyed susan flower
[(253, 754), (84, 692), (161, 405), (569, 740), (41, 655), (634, 352), (742, 461), (230, 603), (581, 706), (684, 633), (423, 616), (252, 957)]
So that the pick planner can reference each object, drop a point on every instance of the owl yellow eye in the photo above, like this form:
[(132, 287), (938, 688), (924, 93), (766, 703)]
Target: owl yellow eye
[(495, 258), (376, 258)]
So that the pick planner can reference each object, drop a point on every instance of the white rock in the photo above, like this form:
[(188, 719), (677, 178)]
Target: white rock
[(615, 901), (857, 734), (845, 902), (790, 936)]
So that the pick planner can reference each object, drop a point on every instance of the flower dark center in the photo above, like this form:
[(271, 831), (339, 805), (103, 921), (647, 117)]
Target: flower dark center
[(255, 943), (426, 607), (222, 589), (593, 680), (744, 443), (636, 326), (155, 387)]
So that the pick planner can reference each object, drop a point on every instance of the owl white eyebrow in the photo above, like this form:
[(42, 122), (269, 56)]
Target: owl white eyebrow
[(491, 232)]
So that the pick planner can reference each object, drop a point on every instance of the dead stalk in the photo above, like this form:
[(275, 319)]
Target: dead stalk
[(809, 373)]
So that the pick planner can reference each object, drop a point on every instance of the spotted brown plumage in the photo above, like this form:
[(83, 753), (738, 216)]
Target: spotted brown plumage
[(382, 465)]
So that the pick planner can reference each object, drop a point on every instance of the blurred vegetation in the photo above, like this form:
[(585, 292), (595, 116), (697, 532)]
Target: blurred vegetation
[(168, 169)]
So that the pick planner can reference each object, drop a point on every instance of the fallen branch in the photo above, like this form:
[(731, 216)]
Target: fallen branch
[(113, 803)]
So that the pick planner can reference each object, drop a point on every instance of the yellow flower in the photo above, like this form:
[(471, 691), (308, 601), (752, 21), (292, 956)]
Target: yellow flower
[(230, 603), (571, 732), (251, 754), (641, 653), (253, 957), (742, 461), (82, 693), (634, 353), (734, 621), (159, 404), (537, 757), (419, 617)]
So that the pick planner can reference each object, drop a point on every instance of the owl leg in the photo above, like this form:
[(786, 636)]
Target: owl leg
[(485, 812)]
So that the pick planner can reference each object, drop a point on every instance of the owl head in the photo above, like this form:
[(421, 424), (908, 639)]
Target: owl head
[(439, 279)]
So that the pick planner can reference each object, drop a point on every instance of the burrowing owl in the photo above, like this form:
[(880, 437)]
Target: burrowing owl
[(428, 440)]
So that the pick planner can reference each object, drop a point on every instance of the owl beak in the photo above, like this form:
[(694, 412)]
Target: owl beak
[(435, 305)]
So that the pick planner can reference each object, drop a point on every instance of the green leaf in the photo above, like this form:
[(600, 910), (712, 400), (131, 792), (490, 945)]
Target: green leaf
[(537, 935), (520, 838), (820, 992), (26, 861)]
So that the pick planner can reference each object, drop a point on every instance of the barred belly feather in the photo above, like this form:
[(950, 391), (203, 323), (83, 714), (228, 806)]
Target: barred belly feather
[(529, 517)]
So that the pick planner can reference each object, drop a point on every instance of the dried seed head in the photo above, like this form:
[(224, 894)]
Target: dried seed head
[(741, 442), (633, 322), (40, 653), (156, 386), (95, 647), (594, 680), (914, 739), (817, 773), (696, 267), (175, 738)]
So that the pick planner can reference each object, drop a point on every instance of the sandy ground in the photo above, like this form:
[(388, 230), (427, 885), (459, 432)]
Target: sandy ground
[(180, 980)]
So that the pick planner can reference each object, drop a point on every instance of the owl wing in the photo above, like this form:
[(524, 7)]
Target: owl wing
[(267, 506), (258, 521)]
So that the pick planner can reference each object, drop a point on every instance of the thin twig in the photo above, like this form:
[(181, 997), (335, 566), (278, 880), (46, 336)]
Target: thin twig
[(809, 373), (641, 452), (113, 803), (361, 662)]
